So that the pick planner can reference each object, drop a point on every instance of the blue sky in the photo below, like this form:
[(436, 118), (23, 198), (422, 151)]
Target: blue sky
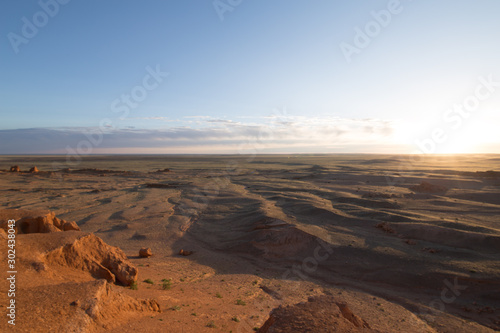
[(270, 77)]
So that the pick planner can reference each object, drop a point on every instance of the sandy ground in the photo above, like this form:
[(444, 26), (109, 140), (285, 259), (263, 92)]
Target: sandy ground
[(274, 230)]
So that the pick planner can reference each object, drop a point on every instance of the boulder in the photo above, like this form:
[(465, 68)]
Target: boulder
[(320, 314), (34, 170), (185, 252), (145, 252), (15, 168)]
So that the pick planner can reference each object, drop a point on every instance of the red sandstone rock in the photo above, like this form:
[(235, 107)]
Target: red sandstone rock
[(70, 226), (185, 252), (319, 314), (29, 222), (145, 252), (89, 253)]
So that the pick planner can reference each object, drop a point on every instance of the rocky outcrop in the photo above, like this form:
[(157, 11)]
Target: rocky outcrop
[(66, 285), (29, 222), (89, 253), (106, 301), (15, 168), (79, 250), (281, 240), (34, 170), (92, 306), (319, 314)]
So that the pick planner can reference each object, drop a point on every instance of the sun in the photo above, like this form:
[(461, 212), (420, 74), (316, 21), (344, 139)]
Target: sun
[(470, 139), (457, 146)]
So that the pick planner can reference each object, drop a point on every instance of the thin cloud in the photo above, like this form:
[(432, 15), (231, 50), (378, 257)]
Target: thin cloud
[(151, 118)]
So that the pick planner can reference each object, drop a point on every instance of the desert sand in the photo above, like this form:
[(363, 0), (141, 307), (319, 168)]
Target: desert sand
[(274, 243)]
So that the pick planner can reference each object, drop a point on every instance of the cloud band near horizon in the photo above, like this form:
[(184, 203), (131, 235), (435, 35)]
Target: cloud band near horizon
[(279, 135)]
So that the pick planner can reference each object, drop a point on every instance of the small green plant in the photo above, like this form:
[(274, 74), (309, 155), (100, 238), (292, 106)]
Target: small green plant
[(236, 319), (255, 329), (167, 284), (218, 295), (149, 281), (211, 324), (182, 280), (194, 314), (133, 285), (176, 308), (240, 302), (255, 282)]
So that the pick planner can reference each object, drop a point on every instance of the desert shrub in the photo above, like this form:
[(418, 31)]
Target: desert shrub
[(167, 284)]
